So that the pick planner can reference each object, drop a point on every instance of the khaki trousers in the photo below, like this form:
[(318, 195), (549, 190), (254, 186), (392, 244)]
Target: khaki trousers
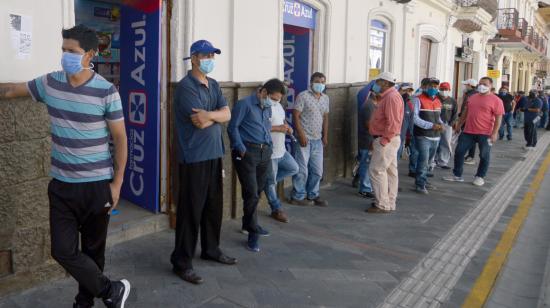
[(383, 173)]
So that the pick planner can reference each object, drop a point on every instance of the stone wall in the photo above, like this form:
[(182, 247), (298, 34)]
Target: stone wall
[(24, 212), (339, 154), (25, 160)]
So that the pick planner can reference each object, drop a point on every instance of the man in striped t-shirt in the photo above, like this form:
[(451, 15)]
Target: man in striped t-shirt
[(85, 111)]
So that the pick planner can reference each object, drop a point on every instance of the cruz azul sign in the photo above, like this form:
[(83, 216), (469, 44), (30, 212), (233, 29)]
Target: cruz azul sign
[(299, 14), (140, 93)]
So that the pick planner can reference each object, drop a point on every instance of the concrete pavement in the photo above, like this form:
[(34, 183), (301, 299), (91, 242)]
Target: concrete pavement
[(525, 278), (338, 256)]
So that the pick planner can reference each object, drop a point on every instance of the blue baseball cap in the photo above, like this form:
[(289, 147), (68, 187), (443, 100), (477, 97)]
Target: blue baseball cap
[(406, 85), (203, 46)]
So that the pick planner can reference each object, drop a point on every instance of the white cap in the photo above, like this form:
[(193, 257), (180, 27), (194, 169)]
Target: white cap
[(471, 82), (386, 76)]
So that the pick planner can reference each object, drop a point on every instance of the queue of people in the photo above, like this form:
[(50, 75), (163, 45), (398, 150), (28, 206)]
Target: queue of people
[(434, 128), (392, 119)]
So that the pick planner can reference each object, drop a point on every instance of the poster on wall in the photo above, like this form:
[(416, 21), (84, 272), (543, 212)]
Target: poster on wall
[(105, 19), (140, 94), (20, 27)]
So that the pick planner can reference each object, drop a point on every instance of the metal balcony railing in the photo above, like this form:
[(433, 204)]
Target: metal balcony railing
[(543, 44), (507, 19), (530, 35), (467, 3), (510, 26), (522, 27)]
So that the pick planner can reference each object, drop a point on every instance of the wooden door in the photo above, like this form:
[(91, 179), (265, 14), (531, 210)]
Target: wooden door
[(425, 55)]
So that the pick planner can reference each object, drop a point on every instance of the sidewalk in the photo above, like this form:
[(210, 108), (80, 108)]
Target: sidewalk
[(525, 277), (337, 256)]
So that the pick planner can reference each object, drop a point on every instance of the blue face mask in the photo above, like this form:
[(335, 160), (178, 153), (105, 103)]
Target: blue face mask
[(71, 63), (376, 88), (318, 87), (267, 102), (207, 66), (431, 92)]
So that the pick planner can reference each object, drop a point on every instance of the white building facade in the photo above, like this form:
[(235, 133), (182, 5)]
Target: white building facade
[(350, 41), (250, 34)]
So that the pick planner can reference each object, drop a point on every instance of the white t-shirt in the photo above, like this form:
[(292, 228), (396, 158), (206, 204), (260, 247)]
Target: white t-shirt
[(278, 138)]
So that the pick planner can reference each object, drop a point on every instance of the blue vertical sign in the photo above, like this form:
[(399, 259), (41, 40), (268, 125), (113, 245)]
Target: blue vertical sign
[(296, 53), (140, 93), (299, 23)]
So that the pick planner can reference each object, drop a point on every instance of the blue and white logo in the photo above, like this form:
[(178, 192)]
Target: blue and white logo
[(138, 108)]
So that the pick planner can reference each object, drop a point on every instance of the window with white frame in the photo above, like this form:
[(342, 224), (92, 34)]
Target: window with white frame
[(378, 44)]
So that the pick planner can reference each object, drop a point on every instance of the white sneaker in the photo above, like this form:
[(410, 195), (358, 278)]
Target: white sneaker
[(470, 161), (453, 178), (478, 181)]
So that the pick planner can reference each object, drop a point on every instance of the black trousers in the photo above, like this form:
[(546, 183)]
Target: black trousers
[(252, 170), (81, 208), (200, 206), (530, 133)]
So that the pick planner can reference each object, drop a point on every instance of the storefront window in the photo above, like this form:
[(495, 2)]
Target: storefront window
[(377, 42)]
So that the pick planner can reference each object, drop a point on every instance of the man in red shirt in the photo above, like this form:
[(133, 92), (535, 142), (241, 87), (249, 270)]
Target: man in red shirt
[(385, 129), (483, 116)]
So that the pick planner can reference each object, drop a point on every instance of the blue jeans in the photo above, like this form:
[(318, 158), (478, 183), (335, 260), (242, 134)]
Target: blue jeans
[(465, 142), (426, 152), (280, 168), (413, 155), (518, 121), (364, 179), (310, 163), (401, 148), (506, 124), (543, 119)]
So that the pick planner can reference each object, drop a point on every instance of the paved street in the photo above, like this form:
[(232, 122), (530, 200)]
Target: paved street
[(338, 256), (526, 273)]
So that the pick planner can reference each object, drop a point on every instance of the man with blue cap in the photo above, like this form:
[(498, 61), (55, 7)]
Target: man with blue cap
[(200, 111)]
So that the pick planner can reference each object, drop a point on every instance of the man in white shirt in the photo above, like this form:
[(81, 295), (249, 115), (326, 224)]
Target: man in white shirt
[(282, 163)]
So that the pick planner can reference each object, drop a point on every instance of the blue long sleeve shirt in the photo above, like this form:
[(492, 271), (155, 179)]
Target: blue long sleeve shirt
[(250, 123), (419, 121)]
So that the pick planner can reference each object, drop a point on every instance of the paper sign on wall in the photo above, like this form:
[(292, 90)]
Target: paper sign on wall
[(493, 74), (373, 73), (21, 35)]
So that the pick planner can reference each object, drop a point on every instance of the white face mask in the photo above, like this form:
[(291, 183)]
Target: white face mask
[(446, 93), (483, 89)]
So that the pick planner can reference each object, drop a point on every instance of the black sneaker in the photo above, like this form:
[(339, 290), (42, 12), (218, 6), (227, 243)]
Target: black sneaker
[(412, 174), (355, 182), (261, 232), (367, 194), (319, 202), (119, 294)]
